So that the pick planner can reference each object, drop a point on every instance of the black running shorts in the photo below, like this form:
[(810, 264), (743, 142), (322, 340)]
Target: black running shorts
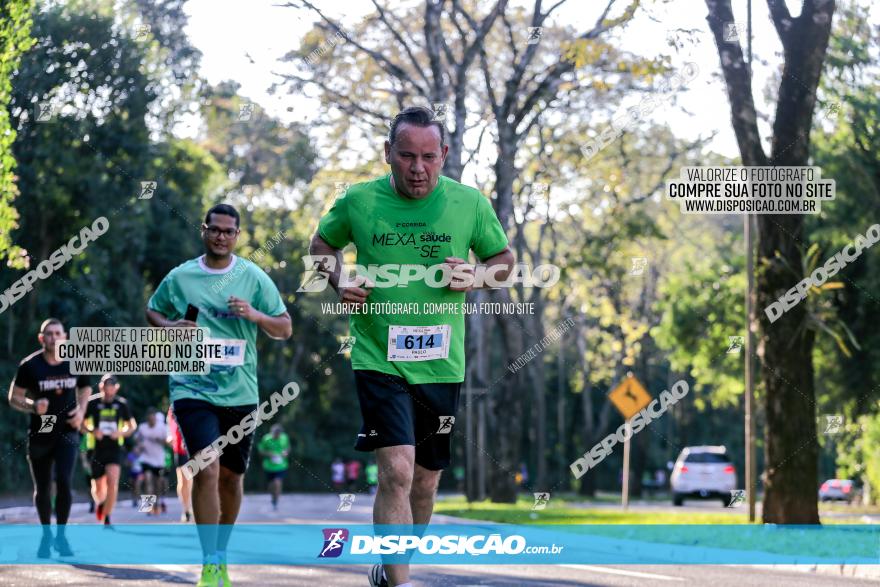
[(399, 413), (201, 423)]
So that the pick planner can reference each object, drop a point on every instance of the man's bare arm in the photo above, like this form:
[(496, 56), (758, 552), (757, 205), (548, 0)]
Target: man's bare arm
[(19, 400), (154, 318), (506, 259), (276, 327), (498, 266)]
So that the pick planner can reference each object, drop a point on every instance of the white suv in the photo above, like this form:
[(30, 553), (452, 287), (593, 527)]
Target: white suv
[(703, 472)]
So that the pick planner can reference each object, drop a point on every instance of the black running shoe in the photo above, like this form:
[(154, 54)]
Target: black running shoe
[(377, 578)]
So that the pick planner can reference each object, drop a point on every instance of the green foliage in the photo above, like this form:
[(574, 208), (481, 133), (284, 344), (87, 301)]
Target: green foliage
[(15, 39)]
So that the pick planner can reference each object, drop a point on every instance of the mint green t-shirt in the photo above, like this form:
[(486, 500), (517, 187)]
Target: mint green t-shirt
[(389, 228), (209, 289)]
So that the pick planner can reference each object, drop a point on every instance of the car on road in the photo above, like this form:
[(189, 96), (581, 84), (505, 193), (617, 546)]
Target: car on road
[(839, 490), (703, 472)]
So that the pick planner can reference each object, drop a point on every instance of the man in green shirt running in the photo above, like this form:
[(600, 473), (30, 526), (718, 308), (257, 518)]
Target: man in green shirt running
[(274, 448), (234, 299), (408, 367)]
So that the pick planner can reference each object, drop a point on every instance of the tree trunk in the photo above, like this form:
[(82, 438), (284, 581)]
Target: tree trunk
[(785, 346)]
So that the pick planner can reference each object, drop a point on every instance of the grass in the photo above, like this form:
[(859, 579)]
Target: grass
[(708, 530), (559, 512)]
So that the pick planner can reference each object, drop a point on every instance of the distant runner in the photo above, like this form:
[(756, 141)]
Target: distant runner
[(274, 448), (56, 400), (108, 423), (152, 436)]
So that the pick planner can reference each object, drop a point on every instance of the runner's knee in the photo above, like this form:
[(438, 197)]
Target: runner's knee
[(397, 477)]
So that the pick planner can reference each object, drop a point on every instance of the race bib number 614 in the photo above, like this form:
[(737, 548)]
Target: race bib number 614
[(418, 343)]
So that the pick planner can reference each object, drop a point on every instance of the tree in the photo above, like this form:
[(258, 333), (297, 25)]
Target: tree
[(15, 39), (786, 345)]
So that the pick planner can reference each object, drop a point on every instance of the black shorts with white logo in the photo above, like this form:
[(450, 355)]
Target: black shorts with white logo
[(399, 413), (201, 423)]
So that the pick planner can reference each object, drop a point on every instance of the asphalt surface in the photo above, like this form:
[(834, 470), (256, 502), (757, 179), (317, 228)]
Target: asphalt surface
[(302, 508)]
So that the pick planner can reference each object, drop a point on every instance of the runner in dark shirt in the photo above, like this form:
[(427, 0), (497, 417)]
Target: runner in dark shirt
[(109, 422), (56, 400)]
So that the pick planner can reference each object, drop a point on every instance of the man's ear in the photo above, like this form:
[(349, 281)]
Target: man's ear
[(444, 152), (387, 152)]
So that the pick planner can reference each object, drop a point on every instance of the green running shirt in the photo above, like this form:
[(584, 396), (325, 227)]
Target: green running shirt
[(389, 228), (275, 449), (209, 289)]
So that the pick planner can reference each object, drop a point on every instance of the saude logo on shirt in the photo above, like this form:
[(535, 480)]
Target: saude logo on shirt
[(426, 249)]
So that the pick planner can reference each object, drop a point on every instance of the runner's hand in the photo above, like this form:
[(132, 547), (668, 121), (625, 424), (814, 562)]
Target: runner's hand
[(355, 294), (40, 406), (242, 309), (183, 324), (114, 435), (76, 418), (98, 434), (460, 266)]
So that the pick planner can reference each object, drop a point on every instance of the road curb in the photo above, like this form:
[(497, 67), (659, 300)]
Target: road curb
[(851, 571)]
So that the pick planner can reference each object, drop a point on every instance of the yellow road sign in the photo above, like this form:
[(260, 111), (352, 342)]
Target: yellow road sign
[(630, 396)]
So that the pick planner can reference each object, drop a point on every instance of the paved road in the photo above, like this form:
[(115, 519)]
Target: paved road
[(322, 508)]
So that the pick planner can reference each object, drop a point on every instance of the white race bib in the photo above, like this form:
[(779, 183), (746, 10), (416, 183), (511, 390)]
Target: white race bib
[(107, 427), (231, 349), (418, 343)]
